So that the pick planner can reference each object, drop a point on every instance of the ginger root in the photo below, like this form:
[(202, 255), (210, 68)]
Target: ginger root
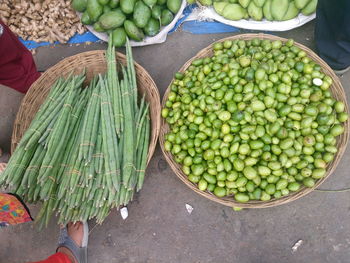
[(41, 20)]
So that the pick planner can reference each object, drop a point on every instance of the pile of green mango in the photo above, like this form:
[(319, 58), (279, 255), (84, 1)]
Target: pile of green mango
[(272, 10), (127, 18)]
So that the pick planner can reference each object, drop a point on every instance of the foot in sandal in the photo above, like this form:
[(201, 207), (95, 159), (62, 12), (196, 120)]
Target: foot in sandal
[(73, 241)]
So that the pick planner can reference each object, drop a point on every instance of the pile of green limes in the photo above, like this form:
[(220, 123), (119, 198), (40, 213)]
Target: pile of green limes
[(256, 120)]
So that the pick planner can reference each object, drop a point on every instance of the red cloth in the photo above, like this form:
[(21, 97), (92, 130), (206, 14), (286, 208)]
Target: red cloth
[(17, 67), (56, 258)]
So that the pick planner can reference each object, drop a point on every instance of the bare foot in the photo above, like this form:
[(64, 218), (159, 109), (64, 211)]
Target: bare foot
[(76, 233)]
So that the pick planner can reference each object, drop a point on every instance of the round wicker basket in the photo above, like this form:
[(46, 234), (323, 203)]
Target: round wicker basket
[(338, 93), (93, 62)]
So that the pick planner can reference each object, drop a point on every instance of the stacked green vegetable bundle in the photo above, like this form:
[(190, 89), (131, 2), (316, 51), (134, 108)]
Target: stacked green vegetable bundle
[(132, 18), (254, 121), (272, 10), (86, 150)]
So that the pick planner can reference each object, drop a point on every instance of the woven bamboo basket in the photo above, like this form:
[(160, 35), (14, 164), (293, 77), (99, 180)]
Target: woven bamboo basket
[(93, 62), (338, 93)]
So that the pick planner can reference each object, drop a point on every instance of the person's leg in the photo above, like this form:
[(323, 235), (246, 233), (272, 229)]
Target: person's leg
[(64, 254), (17, 67), (332, 32)]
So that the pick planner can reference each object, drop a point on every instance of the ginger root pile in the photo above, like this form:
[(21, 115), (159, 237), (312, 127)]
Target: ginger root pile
[(41, 20)]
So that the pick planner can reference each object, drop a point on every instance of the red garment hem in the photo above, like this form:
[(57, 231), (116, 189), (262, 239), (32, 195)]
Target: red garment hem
[(56, 258)]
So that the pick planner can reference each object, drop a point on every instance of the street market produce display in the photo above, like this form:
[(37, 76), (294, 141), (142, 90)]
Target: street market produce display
[(41, 20), (135, 19), (256, 121), (86, 150), (271, 10)]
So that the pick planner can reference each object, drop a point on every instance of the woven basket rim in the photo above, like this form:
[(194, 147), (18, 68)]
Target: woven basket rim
[(36, 89), (342, 140)]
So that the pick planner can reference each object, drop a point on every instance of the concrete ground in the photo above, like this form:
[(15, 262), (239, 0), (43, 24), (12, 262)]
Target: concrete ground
[(159, 228)]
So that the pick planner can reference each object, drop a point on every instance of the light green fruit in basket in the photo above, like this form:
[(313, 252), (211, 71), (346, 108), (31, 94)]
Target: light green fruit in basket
[(300, 4), (206, 2), (279, 8), (310, 8), (234, 12), (219, 7), (112, 19), (244, 3), (267, 10), (292, 11), (259, 3), (255, 12), (173, 5)]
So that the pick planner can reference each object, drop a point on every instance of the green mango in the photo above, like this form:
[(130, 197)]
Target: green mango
[(133, 31), (106, 9), (119, 37), (310, 8), (267, 10), (255, 12), (206, 2), (103, 2), (79, 5), (161, 2), (166, 17), (97, 27), (85, 19), (127, 6), (152, 28), (173, 5), (234, 12), (279, 9), (259, 3), (156, 12), (94, 9), (113, 3), (244, 3), (292, 11), (150, 3), (112, 19), (301, 3), (219, 7), (142, 13)]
